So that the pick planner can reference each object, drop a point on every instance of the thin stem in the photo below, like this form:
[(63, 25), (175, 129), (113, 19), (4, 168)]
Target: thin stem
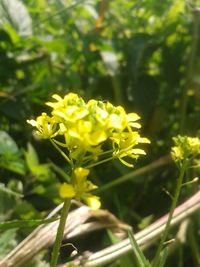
[(129, 176), (61, 152), (60, 172), (60, 231), (99, 162), (173, 206), (99, 154)]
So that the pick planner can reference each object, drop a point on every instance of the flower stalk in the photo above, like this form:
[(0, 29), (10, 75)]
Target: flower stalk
[(171, 212), (60, 231)]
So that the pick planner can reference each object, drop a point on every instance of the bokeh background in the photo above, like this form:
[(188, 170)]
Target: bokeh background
[(143, 55)]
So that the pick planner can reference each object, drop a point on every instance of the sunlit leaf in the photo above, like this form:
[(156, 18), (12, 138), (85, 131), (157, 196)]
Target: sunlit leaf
[(33, 162), (7, 144), (15, 13)]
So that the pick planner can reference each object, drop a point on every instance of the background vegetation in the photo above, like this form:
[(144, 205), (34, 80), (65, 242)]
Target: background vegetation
[(143, 55)]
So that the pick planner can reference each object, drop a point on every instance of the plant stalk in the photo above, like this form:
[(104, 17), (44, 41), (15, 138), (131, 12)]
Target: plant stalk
[(61, 152), (60, 231), (173, 206)]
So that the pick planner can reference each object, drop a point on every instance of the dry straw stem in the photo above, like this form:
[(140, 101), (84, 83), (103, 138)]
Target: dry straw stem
[(44, 235), (145, 237)]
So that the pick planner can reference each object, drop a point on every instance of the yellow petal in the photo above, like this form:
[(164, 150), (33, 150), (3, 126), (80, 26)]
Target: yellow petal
[(57, 97), (84, 126), (135, 125), (81, 173), (102, 113), (66, 191), (80, 113), (73, 133), (143, 140), (126, 163), (97, 137), (93, 202), (115, 121), (33, 123), (138, 151), (133, 117)]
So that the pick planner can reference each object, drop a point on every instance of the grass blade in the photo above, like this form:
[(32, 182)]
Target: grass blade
[(142, 261), (24, 223)]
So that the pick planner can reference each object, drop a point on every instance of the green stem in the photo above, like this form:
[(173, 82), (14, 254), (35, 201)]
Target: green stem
[(98, 155), (61, 152), (99, 162), (134, 174), (60, 231), (173, 206)]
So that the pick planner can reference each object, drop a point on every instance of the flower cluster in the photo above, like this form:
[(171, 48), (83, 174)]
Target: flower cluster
[(186, 148), (82, 128), (85, 126), (80, 189)]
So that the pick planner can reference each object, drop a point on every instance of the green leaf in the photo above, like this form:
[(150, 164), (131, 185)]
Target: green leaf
[(163, 257), (9, 191), (14, 12), (33, 162), (41, 170), (25, 210), (142, 261), (145, 222), (24, 223), (13, 163), (10, 157), (7, 241), (31, 156), (7, 144)]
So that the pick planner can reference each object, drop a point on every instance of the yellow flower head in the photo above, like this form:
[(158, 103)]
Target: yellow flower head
[(185, 148), (83, 127)]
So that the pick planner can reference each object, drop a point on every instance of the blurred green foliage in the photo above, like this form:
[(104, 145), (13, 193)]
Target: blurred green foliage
[(143, 55)]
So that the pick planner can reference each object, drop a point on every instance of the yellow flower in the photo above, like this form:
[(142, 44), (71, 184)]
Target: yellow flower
[(177, 153), (124, 143), (67, 191), (70, 99), (81, 173), (46, 126), (84, 126), (185, 148), (194, 144), (80, 189)]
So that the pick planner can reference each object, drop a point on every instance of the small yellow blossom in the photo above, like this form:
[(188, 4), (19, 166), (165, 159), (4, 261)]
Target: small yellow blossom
[(185, 148), (81, 188), (46, 126), (67, 191), (124, 144)]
